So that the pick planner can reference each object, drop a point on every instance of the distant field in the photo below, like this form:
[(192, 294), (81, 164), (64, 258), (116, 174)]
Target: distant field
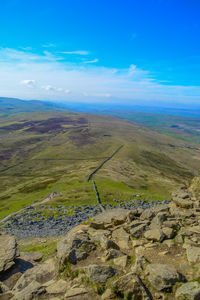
[(178, 127), (43, 152)]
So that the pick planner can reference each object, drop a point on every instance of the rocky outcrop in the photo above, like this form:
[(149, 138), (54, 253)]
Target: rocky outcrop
[(120, 254), (8, 252)]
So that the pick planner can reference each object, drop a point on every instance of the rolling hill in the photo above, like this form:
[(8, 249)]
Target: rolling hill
[(53, 151)]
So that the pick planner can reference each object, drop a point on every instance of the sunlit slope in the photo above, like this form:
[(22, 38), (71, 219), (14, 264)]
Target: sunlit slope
[(55, 151)]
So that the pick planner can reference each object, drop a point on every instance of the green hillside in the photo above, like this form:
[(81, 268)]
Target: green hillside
[(44, 152)]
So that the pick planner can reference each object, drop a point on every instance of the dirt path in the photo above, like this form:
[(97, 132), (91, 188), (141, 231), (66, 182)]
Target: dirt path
[(50, 197)]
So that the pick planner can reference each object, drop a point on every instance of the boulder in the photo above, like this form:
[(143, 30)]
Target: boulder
[(129, 286), (162, 276), (183, 198), (40, 273), (108, 243), (138, 231), (147, 214), (74, 247), (193, 254), (155, 234), (100, 273), (121, 237), (57, 288), (112, 253), (121, 261), (31, 256), (168, 232), (31, 291), (140, 264), (8, 252), (188, 291)]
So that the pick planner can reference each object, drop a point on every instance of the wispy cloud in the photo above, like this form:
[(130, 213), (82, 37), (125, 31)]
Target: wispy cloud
[(50, 45), (29, 82), (25, 74), (78, 52), (91, 61)]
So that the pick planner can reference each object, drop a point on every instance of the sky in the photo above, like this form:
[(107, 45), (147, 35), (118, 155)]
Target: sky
[(125, 51)]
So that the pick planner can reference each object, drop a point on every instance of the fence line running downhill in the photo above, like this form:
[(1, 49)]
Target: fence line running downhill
[(101, 165), (97, 196), (98, 168)]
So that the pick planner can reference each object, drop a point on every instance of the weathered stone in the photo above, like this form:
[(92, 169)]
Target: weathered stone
[(108, 295), (112, 253), (8, 252), (121, 237), (40, 273), (140, 263), (147, 214), (158, 219), (97, 224), (100, 273), (179, 239), (162, 276), (129, 286), (75, 292), (138, 231), (57, 288), (6, 296), (121, 261), (188, 291), (31, 256), (169, 232), (108, 244), (3, 288), (155, 234), (193, 254), (31, 291), (169, 243), (74, 247), (182, 198), (137, 243), (118, 220), (11, 280)]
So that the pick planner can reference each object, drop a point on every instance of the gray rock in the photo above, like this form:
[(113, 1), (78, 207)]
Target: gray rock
[(193, 254), (41, 273), (138, 231), (100, 273), (32, 291), (147, 214), (155, 234), (8, 252), (162, 276), (121, 237), (129, 286), (188, 291)]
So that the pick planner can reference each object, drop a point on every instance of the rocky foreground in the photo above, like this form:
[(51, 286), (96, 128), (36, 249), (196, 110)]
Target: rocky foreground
[(121, 254)]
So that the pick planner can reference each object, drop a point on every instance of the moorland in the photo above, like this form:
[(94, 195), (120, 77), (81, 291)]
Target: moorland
[(45, 148)]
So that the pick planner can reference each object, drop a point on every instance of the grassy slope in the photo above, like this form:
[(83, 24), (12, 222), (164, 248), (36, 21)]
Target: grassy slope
[(34, 164), (179, 127)]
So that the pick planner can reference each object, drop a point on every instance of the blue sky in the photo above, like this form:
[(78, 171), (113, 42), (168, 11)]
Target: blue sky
[(92, 50)]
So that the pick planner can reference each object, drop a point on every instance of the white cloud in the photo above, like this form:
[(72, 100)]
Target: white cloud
[(91, 61), (67, 91), (56, 79), (78, 52), (29, 82), (48, 88)]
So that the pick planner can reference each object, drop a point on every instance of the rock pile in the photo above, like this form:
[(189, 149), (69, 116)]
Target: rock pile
[(120, 254)]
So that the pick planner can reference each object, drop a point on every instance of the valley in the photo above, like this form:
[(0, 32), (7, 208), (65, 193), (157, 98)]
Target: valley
[(46, 152)]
